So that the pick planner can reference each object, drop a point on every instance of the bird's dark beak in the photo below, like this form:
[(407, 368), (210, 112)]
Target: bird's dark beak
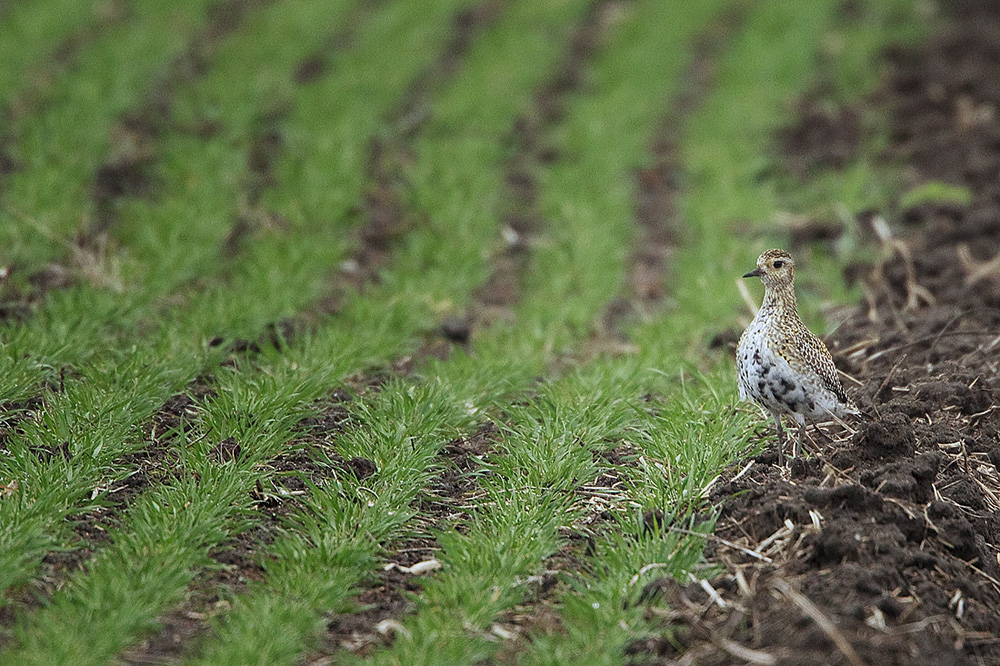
[(754, 273)]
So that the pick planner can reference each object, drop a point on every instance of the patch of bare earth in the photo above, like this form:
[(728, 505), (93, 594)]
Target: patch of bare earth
[(881, 547)]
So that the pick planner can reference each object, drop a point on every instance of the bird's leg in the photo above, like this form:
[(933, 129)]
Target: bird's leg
[(781, 438), (797, 447)]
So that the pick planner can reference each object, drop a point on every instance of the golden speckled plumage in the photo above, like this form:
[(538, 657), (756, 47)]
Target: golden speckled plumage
[(782, 365)]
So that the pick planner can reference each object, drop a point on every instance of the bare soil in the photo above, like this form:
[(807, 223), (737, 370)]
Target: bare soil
[(881, 546)]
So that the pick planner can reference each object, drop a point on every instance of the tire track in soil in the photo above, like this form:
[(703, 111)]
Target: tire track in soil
[(389, 597), (17, 301), (659, 185), (905, 564)]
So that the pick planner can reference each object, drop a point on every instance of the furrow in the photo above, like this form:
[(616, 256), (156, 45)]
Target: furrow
[(658, 186), (206, 524), (45, 200), (128, 167), (538, 485), (386, 213)]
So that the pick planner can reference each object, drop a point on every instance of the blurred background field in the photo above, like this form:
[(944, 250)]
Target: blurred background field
[(395, 331)]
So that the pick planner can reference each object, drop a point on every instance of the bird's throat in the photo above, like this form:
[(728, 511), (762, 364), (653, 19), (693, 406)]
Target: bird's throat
[(779, 299)]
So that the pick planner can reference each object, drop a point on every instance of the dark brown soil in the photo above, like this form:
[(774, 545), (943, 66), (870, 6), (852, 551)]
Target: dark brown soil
[(881, 547), (825, 136)]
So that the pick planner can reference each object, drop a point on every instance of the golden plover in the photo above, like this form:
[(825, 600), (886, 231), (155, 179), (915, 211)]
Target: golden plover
[(782, 366)]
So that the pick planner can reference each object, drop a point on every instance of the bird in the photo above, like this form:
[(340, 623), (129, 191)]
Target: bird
[(782, 366)]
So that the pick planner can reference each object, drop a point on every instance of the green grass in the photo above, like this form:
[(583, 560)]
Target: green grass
[(547, 450), (30, 37), (106, 353), (98, 412), (47, 200), (477, 150)]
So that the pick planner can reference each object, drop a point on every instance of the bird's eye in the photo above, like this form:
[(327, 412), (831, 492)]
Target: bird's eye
[(779, 264)]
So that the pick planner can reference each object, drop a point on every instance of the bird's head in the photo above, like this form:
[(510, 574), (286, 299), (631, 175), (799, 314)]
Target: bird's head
[(775, 268)]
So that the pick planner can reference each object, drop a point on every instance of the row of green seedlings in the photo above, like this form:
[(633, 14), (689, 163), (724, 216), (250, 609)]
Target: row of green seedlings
[(530, 489), (684, 445), (33, 41), (363, 321), (98, 411), (57, 149), (697, 427), (73, 331), (383, 427), (540, 483)]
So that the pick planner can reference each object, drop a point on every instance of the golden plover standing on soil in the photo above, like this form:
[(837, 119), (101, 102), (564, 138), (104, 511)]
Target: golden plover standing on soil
[(782, 366)]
